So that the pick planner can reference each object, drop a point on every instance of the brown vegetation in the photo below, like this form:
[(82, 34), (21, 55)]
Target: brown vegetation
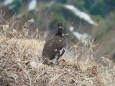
[(21, 63)]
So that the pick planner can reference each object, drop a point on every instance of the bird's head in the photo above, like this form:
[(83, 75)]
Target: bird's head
[(59, 26)]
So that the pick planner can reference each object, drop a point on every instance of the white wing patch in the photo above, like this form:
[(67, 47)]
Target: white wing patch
[(61, 51), (54, 61)]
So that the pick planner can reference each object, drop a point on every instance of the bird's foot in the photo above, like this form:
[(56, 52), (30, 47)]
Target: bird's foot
[(55, 62)]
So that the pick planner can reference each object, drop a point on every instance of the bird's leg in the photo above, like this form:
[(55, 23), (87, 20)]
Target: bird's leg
[(55, 61)]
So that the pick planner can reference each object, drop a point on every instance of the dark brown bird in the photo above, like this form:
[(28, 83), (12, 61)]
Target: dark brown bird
[(55, 47)]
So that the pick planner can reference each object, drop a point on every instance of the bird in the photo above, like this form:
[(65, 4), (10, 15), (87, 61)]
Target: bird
[(55, 47)]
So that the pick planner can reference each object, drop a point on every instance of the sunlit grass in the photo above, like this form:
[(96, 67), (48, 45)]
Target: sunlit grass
[(21, 63)]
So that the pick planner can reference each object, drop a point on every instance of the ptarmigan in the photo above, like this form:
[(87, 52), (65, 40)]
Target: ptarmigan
[(55, 47)]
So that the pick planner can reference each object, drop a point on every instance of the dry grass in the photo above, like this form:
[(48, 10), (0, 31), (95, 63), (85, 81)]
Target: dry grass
[(21, 64)]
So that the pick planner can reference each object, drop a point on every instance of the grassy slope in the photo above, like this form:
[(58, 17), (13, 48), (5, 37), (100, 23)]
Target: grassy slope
[(21, 61), (21, 65)]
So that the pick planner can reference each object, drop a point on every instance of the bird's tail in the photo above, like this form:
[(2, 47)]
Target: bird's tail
[(45, 61)]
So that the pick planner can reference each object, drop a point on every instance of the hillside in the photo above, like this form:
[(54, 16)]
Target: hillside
[(89, 27), (21, 65), (90, 19)]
